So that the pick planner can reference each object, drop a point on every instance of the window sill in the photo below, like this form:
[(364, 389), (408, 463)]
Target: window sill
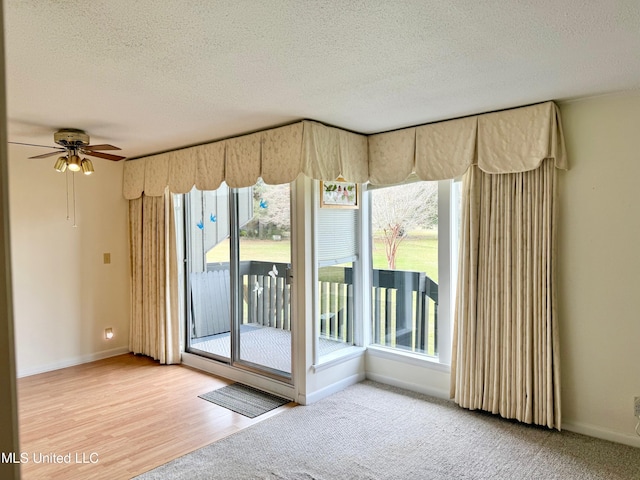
[(408, 357), (338, 357)]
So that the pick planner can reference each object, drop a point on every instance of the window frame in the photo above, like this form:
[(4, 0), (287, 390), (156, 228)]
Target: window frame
[(448, 238), (344, 354)]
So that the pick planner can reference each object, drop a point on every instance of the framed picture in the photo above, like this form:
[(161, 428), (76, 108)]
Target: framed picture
[(339, 194)]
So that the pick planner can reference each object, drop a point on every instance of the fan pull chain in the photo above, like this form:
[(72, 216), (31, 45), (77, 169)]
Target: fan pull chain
[(67, 198), (74, 199)]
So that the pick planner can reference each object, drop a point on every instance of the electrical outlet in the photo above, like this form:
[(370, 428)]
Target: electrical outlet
[(636, 410)]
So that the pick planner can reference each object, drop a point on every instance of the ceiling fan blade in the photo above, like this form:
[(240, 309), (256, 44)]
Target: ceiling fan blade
[(106, 156), (100, 147), (31, 145), (50, 154)]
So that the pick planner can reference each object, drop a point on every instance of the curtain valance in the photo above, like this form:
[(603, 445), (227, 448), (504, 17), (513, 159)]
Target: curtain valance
[(277, 155), (509, 141), (273, 154), (330, 152)]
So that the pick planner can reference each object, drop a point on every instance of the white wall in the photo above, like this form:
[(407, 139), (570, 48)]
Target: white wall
[(64, 296), (409, 372), (599, 266)]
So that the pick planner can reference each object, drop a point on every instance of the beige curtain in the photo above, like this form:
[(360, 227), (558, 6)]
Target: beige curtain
[(505, 356), (154, 327)]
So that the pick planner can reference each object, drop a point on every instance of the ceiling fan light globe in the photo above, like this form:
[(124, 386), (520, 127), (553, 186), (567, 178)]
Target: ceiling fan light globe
[(74, 163), (61, 164), (87, 166)]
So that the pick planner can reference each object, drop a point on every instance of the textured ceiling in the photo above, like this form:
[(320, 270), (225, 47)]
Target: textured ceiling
[(151, 75)]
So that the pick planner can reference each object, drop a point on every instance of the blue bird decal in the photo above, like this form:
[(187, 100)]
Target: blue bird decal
[(263, 203), (200, 225), (212, 218)]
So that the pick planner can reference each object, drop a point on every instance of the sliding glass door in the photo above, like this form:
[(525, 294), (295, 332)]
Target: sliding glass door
[(264, 251), (239, 244)]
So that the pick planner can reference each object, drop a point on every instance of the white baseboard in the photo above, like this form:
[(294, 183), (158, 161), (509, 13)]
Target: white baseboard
[(70, 362), (602, 433), (331, 389), (414, 387)]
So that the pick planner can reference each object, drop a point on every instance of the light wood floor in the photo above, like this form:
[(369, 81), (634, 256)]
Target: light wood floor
[(127, 414)]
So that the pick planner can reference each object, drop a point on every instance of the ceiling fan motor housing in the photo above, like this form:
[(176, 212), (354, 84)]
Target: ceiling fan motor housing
[(69, 138)]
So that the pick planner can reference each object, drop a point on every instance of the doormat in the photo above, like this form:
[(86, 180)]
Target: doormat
[(244, 400)]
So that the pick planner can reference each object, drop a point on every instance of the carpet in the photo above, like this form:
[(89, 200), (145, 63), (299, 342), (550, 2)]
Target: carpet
[(244, 400), (374, 431)]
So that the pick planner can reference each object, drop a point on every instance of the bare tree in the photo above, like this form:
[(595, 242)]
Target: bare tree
[(274, 206), (271, 209), (400, 209)]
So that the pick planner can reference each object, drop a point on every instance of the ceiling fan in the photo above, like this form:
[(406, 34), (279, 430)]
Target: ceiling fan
[(74, 143)]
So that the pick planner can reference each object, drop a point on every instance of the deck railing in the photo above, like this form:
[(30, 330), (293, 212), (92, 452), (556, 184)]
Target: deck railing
[(267, 294), (405, 310), (336, 305), (265, 291), (404, 304)]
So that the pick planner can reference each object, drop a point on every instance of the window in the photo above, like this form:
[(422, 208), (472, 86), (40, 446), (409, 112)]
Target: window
[(412, 232), (337, 259)]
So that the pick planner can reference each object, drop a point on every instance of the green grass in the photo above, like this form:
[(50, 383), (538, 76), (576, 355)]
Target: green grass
[(417, 253), (252, 249)]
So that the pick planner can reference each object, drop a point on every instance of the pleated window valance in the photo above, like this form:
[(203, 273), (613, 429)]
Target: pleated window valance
[(502, 142), (509, 141)]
